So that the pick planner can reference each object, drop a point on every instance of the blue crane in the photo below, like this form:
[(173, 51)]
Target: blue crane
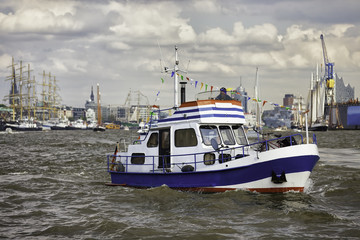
[(329, 67)]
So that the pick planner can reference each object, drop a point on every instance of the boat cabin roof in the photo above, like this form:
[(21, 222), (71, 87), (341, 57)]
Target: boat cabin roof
[(207, 111)]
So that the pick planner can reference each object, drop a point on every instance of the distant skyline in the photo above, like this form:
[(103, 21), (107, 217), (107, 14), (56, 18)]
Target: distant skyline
[(116, 44)]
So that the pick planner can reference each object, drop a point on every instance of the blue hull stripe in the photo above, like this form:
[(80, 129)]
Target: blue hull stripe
[(202, 116), (217, 178), (210, 109)]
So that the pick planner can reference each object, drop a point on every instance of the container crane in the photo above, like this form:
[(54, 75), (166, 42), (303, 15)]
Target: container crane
[(330, 90), (329, 67)]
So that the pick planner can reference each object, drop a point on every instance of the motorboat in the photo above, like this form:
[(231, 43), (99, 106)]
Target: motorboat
[(203, 147)]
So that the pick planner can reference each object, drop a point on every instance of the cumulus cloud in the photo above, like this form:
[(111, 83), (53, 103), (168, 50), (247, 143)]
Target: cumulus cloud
[(159, 20), (40, 18), (116, 42)]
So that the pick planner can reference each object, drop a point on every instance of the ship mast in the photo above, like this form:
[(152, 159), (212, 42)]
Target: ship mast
[(174, 72), (98, 105), (13, 92), (21, 81), (29, 85), (258, 110), (176, 80), (43, 94), (55, 98)]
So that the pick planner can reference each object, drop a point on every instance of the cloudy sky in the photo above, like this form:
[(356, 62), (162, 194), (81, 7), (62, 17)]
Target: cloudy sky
[(119, 44)]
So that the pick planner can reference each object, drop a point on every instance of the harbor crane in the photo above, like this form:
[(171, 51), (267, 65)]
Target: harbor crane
[(329, 66), (329, 74)]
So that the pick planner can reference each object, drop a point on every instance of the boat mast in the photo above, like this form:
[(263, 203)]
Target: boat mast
[(29, 93), (258, 110), (98, 105), (43, 94), (21, 81), (176, 84), (13, 92)]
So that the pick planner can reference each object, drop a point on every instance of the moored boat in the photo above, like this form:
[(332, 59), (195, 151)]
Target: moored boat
[(77, 125), (24, 125), (203, 147)]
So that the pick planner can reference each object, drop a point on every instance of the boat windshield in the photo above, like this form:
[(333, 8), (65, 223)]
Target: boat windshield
[(240, 135), (209, 132), (227, 136)]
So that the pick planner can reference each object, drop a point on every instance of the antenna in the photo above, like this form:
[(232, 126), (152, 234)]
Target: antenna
[(187, 68), (161, 66)]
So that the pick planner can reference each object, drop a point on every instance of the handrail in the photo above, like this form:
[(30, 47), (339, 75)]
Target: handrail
[(221, 152)]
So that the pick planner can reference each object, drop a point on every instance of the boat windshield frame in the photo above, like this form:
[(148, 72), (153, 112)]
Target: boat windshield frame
[(209, 132)]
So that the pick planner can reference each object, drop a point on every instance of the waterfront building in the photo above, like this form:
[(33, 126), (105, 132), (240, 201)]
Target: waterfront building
[(288, 100), (343, 93), (78, 113), (91, 102)]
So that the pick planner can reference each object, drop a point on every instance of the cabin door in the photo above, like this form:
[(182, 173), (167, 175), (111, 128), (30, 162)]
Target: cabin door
[(164, 148)]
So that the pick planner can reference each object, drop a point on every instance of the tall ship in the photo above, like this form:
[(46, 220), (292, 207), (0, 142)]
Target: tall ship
[(203, 147), (22, 99), (28, 111)]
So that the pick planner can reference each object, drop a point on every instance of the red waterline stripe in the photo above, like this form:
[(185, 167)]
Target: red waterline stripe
[(215, 190)]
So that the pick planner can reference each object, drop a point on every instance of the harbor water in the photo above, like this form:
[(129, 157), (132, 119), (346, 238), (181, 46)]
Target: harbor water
[(52, 186)]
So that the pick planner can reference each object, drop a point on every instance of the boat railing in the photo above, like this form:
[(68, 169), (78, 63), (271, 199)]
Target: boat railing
[(121, 163), (162, 163), (269, 144), (153, 121)]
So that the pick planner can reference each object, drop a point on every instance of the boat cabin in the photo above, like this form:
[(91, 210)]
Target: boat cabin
[(194, 138)]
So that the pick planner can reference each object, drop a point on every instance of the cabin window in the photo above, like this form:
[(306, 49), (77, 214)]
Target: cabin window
[(138, 158), (153, 140), (227, 136), (209, 132), (209, 158), (185, 138), (240, 135)]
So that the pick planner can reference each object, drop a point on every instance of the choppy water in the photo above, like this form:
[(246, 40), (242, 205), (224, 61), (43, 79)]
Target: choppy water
[(52, 187)]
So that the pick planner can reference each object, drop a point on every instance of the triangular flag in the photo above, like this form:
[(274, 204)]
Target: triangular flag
[(206, 87), (196, 83), (202, 84), (182, 77), (264, 102), (172, 74), (211, 88), (162, 80)]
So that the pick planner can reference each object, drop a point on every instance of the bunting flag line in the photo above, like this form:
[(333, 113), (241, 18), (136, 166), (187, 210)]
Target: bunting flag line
[(232, 92)]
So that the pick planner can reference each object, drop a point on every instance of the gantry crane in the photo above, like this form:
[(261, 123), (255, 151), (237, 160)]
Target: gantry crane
[(329, 74)]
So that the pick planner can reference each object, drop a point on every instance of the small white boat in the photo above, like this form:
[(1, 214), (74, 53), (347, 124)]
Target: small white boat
[(24, 125), (61, 124), (77, 125), (203, 147)]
